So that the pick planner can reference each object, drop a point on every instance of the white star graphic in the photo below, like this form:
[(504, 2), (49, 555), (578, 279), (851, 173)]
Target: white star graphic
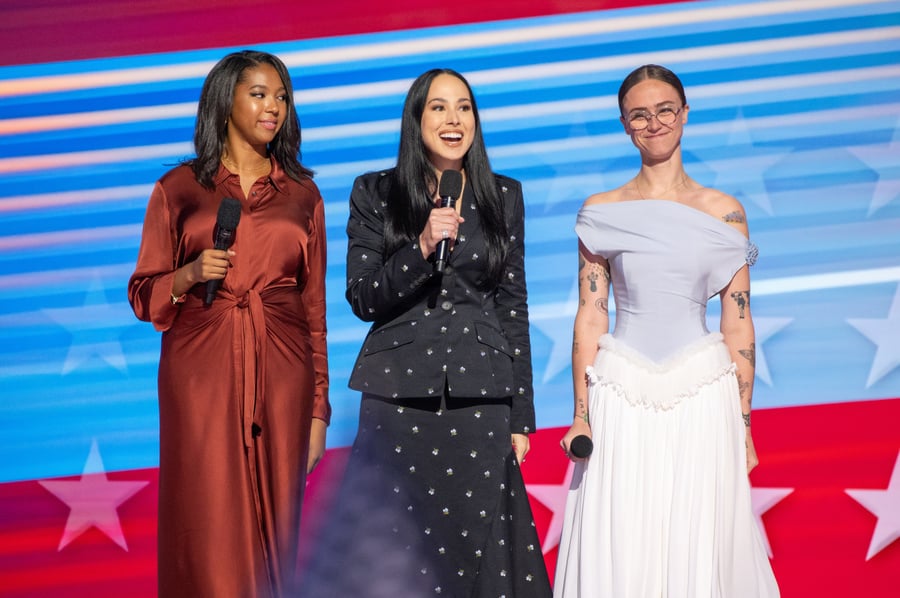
[(553, 496), (555, 322), (764, 329), (885, 505), (93, 501), (95, 327), (763, 499), (742, 175), (572, 158), (882, 159), (571, 184), (885, 333)]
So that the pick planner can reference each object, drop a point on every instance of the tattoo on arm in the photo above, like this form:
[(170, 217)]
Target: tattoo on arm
[(602, 305), (735, 216), (743, 389), (742, 298), (583, 409), (604, 274), (749, 354), (744, 392), (595, 273)]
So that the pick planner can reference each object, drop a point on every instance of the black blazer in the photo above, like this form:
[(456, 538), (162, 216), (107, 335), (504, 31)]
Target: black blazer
[(430, 329)]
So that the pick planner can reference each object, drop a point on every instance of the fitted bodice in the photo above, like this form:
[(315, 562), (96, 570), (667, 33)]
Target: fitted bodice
[(666, 260)]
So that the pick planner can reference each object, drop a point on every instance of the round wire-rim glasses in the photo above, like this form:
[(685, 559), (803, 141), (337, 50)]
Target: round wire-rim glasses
[(665, 116)]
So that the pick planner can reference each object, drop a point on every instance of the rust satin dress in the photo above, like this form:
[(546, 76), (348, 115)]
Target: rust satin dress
[(239, 381)]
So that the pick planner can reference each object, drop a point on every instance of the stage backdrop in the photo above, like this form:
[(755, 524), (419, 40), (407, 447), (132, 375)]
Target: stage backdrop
[(795, 110)]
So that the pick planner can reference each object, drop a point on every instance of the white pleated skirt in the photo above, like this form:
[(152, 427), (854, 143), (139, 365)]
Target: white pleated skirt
[(662, 508)]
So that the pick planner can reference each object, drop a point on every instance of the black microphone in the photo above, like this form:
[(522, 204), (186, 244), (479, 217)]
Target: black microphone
[(449, 190), (581, 446), (223, 238)]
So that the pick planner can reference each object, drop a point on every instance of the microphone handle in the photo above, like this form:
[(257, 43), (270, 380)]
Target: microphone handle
[(442, 249), (223, 239)]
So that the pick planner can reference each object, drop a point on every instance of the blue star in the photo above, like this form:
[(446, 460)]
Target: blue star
[(95, 328), (885, 333), (555, 321), (882, 159), (742, 175), (765, 328)]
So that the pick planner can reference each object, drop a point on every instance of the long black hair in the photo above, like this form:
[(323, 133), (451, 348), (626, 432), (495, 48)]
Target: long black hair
[(214, 108), (409, 201), (650, 71)]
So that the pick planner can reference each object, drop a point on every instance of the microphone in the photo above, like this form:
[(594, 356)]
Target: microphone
[(223, 238), (449, 190), (581, 446)]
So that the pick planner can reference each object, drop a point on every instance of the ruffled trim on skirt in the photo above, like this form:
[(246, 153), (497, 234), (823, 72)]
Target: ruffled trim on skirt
[(660, 386)]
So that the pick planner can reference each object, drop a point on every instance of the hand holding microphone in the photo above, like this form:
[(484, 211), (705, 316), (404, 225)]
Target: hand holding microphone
[(581, 446), (449, 190), (223, 237)]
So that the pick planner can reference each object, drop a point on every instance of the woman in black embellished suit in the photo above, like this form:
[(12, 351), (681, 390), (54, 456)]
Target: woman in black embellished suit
[(433, 502)]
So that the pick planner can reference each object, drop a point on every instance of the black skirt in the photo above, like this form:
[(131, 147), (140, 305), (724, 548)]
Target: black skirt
[(432, 504)]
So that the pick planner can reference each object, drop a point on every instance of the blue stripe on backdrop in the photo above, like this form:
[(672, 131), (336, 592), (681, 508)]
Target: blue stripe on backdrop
[(794, 110)]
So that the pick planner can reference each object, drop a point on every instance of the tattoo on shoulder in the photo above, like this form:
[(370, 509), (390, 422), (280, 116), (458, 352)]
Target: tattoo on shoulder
[(735, 216), (742, 298)]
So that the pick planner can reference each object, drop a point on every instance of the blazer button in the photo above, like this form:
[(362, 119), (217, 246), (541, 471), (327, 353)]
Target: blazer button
[(446, 305)]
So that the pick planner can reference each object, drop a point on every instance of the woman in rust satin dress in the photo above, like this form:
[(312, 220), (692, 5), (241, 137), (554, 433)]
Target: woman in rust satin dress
[(243, 382)]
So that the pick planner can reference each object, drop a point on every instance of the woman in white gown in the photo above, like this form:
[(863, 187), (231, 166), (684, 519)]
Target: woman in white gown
[(661, 508)]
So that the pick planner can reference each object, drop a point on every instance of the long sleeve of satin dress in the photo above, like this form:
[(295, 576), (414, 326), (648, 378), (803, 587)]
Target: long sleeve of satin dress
[(239, 380)]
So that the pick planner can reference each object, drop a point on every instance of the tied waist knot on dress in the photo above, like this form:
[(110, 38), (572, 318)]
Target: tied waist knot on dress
[(248, 344)]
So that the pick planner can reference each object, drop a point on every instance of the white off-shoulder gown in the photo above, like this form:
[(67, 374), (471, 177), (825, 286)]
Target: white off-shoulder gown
[(662, 508)]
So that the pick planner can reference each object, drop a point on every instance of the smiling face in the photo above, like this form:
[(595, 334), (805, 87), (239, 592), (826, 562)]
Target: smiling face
[(259, 108), (448, 122), (657, 141)]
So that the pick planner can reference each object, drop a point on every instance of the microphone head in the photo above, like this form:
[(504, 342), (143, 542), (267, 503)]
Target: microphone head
[(229, 213), (451, 184), (581, 446)]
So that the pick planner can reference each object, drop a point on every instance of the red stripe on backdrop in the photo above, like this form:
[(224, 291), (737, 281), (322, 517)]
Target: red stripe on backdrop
[(92, 565), (85, 29), (819, 534)]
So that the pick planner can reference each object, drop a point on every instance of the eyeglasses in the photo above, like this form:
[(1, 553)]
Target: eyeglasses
[(641, 120)]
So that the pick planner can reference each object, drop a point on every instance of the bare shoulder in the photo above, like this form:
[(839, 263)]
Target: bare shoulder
[(603, 197), (723, 207)]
